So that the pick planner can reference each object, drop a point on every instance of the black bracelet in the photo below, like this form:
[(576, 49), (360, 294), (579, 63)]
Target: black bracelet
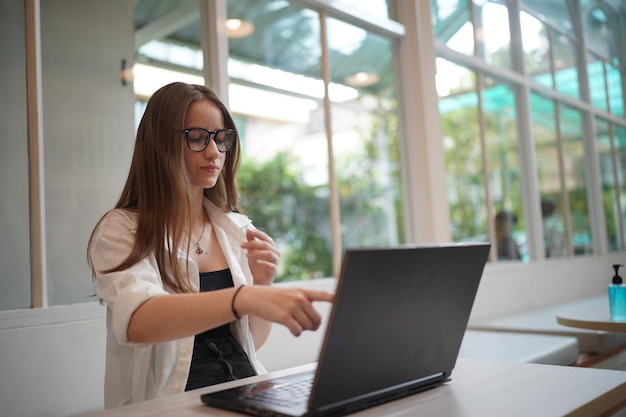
[(232, 302)]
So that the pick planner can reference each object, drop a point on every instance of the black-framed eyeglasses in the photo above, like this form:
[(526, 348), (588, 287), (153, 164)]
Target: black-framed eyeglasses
[(198, 138)]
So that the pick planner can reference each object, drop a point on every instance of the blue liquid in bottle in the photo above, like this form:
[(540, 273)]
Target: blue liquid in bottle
[(617, 297)]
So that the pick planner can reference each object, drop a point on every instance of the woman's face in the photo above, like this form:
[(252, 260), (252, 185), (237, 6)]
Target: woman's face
[(204, 167)]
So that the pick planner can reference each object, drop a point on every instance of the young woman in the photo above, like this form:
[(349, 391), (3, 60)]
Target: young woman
[(185, 277)]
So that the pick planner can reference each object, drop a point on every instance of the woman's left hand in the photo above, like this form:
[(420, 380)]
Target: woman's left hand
[(263, 256)]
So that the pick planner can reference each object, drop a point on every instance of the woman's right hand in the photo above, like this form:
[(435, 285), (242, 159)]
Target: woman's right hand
[(291, 307)]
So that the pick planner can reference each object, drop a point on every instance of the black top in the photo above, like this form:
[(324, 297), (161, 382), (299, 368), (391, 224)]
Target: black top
[(217, 356), (212, 281)]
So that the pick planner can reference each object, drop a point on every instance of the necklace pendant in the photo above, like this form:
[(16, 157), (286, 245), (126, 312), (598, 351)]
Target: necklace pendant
[(199, 250)]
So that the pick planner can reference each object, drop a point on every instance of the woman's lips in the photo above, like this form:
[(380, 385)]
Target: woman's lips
[(211, 169)]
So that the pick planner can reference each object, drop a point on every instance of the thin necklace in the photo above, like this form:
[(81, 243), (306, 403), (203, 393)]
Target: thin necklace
[(199, 249)]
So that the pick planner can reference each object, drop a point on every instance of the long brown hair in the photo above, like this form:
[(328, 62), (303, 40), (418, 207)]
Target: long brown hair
[(158, 185)]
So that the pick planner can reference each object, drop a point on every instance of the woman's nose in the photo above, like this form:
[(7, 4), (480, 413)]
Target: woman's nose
[(211, 149)]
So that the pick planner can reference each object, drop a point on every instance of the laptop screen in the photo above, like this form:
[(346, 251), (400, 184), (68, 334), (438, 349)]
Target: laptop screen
[(399, 315)]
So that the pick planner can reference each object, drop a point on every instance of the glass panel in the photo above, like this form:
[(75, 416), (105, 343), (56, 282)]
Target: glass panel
[(553, 12), (595, 25), (376, 8), (465, 184), (597, 82), (612, 176), (536, 50), (549, 172), (604, 145), (276, 91), (575, 175), (170, 53), (14, 204), (503, 164), (88, 136), (365, 137), (452, 24), (616, 94), (566, 73), (620, 150), (493, 36)]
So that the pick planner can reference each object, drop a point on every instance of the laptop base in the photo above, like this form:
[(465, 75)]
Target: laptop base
[(242, 399)]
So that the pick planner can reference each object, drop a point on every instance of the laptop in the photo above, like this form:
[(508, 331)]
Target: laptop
[(395, 329)]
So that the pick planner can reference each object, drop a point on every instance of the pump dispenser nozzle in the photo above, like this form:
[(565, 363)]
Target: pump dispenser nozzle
[(616, 278)]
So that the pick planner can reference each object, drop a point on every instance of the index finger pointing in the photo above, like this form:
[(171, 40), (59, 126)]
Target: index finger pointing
[(315, 295)]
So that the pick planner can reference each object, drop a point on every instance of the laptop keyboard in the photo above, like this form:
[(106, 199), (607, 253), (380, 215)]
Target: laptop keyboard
[(288, 395)]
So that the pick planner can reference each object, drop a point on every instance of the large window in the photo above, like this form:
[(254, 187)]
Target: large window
[(491, 115), (329, 155), (277, 93)]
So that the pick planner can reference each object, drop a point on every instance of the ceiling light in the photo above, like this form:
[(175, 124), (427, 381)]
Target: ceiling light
[(237, 28), (362, 79)]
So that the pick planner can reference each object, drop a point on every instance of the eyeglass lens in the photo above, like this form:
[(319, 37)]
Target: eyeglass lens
[(198, 139)]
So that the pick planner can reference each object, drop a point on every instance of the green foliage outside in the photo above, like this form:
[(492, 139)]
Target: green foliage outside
[(276, 198), (369, 185), (465, 179)]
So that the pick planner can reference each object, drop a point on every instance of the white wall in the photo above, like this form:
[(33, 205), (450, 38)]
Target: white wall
[(52, 370), (507, 289), (88, 130)]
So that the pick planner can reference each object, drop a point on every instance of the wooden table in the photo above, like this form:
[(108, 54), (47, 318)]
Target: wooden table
[(478, 388), (593, 317)]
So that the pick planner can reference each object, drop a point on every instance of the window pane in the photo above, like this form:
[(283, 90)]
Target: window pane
[(452, 24), (566, 73), (503, 164), (365, 137), (620, 149), (609, 138), (597, 32), (14, 204), (276, 93), (536, 49), (549, 173), (170, 53), (376, 8), (616, 93), (493, 34), (575, 175), (88, 131), (554, 12), (461, 140)]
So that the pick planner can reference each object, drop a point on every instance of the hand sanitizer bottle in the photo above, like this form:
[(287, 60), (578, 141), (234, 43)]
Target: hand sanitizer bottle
[(617, 296)]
